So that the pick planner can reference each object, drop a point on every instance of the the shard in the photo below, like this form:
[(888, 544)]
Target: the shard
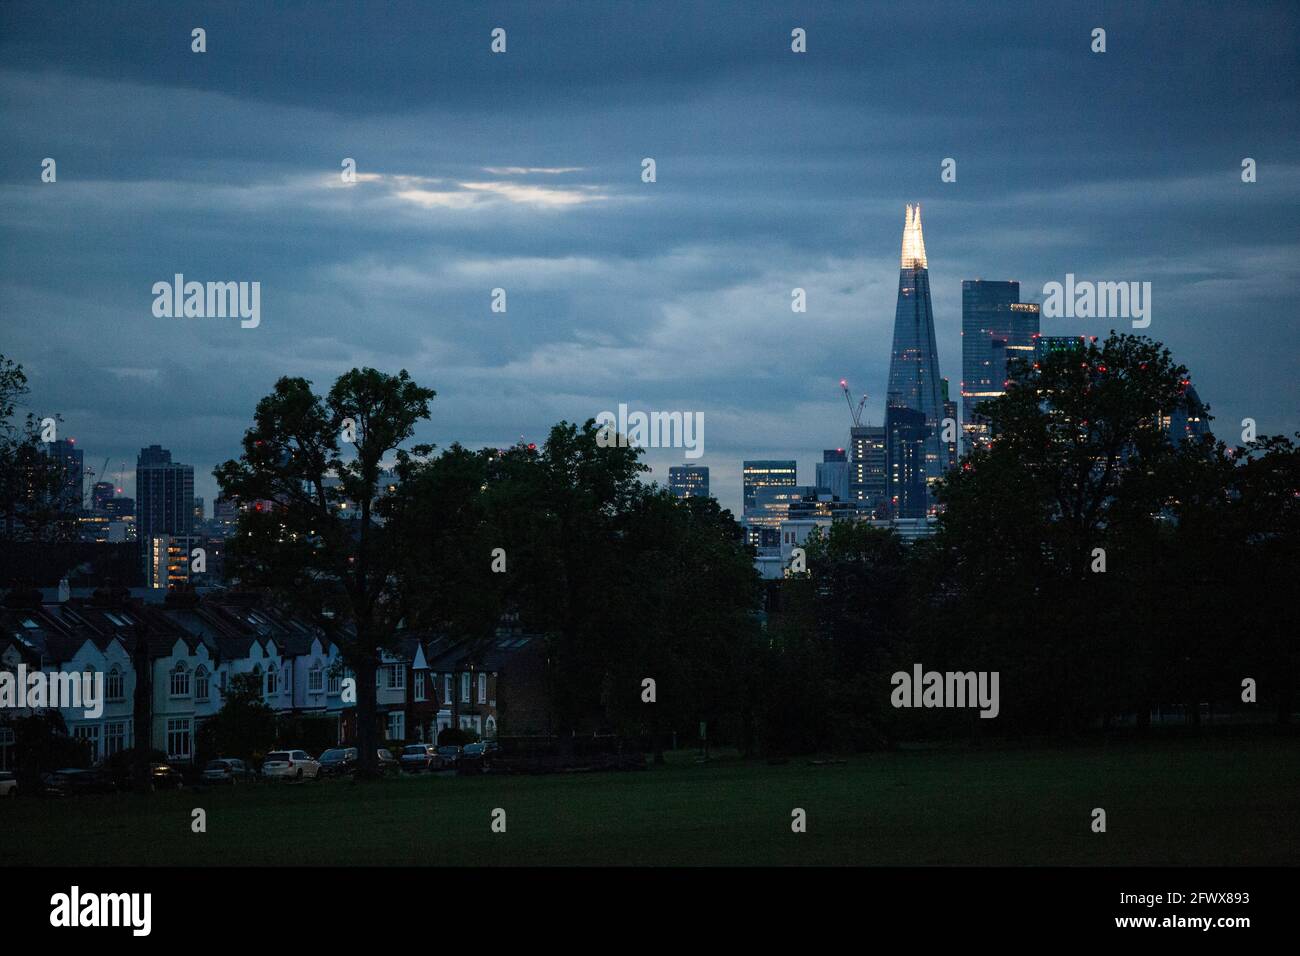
[(914, 362)]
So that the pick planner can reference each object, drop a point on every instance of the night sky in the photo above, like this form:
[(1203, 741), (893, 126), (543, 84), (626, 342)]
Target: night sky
[(523, 171)]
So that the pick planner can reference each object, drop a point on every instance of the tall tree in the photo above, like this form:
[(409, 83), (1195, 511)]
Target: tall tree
[(35, 504), (311, 483)]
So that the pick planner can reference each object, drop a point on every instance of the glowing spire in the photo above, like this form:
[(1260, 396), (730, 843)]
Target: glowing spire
[(913, 242)]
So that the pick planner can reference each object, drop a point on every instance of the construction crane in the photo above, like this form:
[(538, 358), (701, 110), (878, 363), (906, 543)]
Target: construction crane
[(854, 411)]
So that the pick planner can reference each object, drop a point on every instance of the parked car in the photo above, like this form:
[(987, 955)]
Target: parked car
[(341, 761), (416, 757), (163, 776), (226, 770), (8, 785), (72, 782), (338, 762), (450, 756), (290, 765), (121, 767)]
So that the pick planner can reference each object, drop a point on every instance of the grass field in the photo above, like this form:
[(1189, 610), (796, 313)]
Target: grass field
[(1209, 802)]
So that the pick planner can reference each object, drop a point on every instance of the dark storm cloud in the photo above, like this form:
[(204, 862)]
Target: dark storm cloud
[(522, 171)]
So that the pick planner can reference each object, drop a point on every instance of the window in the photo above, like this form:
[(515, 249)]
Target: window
[(446, 690), (336, 682), (482, 688), (180, 680), (90, 734), (464, 688), (396, 676), (114, 685), (419, 685), (396, 725), (201, 682), (270, 679), (316, 678), (178, 738), (114, 737)]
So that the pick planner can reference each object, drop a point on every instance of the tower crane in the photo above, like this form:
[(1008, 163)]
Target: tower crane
[(855, 412)]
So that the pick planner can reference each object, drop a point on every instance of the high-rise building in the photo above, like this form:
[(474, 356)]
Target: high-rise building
[(72, 489), (689, 481), (101, 495), (867, 483), (1045, 345), (225, 514), (164, 495), (120, 507), (198, 511), (949, 415), (1189, 419), (907, 438), (833, 472), (995, 328), (914, 360), (766, 473)]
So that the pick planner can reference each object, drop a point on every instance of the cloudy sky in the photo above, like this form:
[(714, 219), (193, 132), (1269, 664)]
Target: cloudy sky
[(523, 171)]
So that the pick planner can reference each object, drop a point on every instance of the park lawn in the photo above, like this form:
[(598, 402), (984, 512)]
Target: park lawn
[(1202, 802)]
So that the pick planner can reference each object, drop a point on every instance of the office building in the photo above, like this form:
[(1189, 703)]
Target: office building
[(689, 481), (164, 493), (833, 472), (996, 327), (907, 438), (764, 474), (867, 483)]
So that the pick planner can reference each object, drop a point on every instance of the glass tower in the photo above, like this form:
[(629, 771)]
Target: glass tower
[(995, 328), (914, 361), (689, 481)]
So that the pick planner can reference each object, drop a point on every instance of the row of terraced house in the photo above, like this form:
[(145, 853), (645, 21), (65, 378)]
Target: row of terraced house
[(425, 684)]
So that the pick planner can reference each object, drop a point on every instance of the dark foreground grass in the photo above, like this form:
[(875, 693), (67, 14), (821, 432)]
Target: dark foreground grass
[(1200, 802)]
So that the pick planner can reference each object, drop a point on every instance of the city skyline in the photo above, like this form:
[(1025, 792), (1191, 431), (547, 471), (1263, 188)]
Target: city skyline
[(667, 295)]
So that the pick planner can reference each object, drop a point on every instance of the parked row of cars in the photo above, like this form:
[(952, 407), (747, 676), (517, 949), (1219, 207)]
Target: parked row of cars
[(288, 764)]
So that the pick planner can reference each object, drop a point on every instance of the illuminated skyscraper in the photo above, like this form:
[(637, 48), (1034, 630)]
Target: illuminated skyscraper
[(867, 483), (914, 361), (907, 437), (689, 481), (995, 328), (164, 494), (759, 474)]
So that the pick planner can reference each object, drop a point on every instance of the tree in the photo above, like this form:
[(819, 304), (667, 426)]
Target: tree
[(35, 504), (311, 529), (1089, 559), (244, 725)]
